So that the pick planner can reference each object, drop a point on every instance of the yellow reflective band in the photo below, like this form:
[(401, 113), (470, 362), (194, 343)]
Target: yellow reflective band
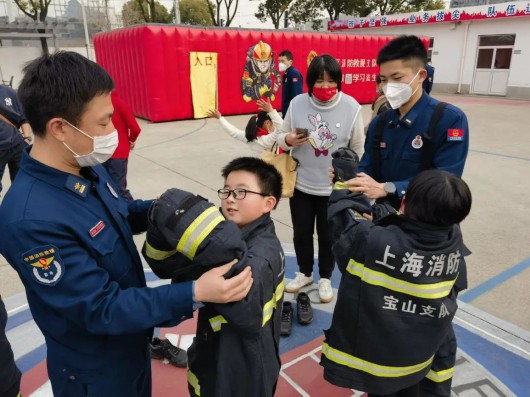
[(194, 382), (427, 291), (198, 231), (268, 308), (381, 371), (339, 186), (441, 376), (216, 323), (157, 255)]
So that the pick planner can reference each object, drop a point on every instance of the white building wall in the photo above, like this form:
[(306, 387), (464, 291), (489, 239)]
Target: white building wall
[(449, 45)]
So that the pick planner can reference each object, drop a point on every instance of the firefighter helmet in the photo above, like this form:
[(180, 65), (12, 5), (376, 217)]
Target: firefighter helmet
[(262, 51)]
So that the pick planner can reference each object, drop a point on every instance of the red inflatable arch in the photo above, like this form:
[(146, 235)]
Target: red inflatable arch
[(151, 68)]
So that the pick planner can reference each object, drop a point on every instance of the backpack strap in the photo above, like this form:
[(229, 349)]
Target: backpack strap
[(427, 153), (376, 149)]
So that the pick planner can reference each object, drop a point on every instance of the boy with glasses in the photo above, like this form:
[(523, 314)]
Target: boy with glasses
[(235, 351)]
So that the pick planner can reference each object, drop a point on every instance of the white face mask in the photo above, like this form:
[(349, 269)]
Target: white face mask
[(103, 148), (282, 67), (399, 94)]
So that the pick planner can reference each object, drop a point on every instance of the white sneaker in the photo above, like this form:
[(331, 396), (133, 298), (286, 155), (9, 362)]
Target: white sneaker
[(325, 292), (300, 281)]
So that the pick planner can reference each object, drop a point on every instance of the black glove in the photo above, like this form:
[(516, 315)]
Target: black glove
[(381, 211), (345, 162)]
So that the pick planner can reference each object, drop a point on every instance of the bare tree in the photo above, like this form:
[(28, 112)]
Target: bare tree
[(38, 11)]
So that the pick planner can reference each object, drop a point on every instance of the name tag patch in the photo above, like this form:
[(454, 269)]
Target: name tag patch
[(96, 229)]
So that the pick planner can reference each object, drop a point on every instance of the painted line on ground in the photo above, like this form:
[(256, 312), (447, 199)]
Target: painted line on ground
[(500, 155), (475, 292)]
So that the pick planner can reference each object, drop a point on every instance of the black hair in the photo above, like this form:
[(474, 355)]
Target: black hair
[(319, 65), (404, 48), (255, 121), (438, 198), (287, 54), (269, 179), (60, 85)]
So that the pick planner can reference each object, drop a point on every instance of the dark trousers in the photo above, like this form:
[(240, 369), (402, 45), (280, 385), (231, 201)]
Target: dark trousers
[(9, 373), (305, 209), (412, 391), (11, 158), (117, 169)]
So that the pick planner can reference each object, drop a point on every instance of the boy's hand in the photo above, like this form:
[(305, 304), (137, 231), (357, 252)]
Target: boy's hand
[(213, 113), (213, 287), (264, 106)]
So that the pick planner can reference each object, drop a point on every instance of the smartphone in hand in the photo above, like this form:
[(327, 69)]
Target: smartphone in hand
[(302, 132)]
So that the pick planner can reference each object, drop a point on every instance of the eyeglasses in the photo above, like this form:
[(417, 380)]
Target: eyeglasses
[(238, 194)]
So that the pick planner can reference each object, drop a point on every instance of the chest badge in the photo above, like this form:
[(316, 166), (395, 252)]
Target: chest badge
[(417, 142), (112, 191)]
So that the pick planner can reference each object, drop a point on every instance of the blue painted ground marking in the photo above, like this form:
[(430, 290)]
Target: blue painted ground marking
[(473, 293)]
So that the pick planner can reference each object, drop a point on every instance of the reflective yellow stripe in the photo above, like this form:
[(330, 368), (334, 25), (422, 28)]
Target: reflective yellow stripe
[(198, 231), (340, 186), (427, 291), (194, 382), (441, 376), (381, 371), (157, 255), (216, 323), (268, 308)]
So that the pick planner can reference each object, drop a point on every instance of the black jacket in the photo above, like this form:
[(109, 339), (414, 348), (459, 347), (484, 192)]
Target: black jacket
[(396, 299), (9, 373), (236, 350)]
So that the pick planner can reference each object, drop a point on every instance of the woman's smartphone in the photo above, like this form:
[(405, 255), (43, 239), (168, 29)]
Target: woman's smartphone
[(302, 132)]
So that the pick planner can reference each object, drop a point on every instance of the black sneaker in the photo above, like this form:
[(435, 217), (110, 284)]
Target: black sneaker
[(287, 319), (162, 348), (304, 312)]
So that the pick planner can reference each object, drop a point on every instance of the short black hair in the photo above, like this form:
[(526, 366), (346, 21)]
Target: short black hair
[(255, 121), (287, 54), (60, 85), (319, 65), (269, 179), (404, 48), (438, 198)]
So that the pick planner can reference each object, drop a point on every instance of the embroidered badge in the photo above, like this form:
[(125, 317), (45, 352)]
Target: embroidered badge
[(295, 79), (455, 134), (417, 142), (382, 145), (45, 264), (112, 191), (96, 229)]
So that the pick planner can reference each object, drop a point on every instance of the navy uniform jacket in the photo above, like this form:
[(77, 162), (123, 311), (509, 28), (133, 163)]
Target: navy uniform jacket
[(236, 350), (396, 298), (11, 109), (401, 147), (293, 84), (70, 240)]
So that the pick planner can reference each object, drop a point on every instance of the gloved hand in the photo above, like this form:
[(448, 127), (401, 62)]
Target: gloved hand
[(345, 162), (382, 210)]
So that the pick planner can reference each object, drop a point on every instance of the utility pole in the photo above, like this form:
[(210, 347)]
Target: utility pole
[(85, 25)]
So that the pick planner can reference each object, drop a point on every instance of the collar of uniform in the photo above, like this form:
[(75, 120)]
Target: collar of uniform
[(418, 108), (248, 229), (78, 185)]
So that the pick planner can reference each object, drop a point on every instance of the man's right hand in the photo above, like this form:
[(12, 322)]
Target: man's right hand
[(213, 287)]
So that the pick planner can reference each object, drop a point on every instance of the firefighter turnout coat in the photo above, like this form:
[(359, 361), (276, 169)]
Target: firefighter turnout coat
[(396, 299), (236, 349)]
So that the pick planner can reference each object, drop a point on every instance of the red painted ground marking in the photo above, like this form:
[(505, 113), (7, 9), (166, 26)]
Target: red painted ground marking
[(34, 378)]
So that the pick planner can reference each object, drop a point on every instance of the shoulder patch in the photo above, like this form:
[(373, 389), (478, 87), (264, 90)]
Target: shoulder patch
[(45, 264), (455, 134)]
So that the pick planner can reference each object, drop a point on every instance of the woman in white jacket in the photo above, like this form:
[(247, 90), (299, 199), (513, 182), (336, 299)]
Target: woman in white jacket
[(261, 130)]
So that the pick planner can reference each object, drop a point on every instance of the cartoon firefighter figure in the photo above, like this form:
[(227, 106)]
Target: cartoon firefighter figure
[(256, 82)]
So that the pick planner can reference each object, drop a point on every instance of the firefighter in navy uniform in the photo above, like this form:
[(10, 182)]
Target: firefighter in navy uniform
[(293, 82), (68, 233), (397, 296)]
